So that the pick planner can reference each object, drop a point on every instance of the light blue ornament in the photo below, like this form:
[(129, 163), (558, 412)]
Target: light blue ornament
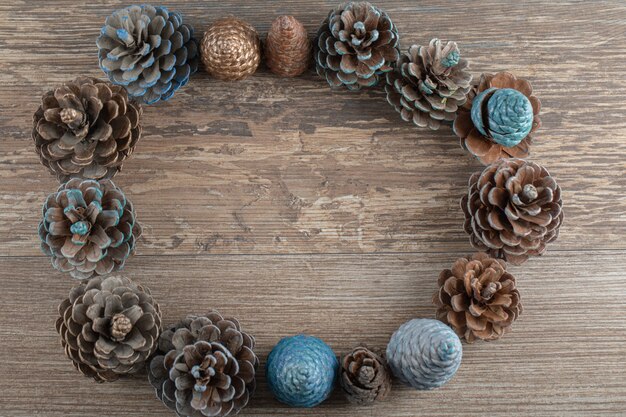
[(505, 115), (424, 353), (301, 371)]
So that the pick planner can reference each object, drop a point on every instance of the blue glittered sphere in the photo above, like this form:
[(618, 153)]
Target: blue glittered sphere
[(424, 353), (301, 371), (505, 115)]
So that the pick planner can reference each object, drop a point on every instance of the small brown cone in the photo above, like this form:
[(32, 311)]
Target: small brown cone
[(230, 49), (364, 376), (287, 48)]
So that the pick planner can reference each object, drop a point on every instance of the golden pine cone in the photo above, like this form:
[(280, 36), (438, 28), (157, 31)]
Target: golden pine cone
[(230, 49), (287, 47)]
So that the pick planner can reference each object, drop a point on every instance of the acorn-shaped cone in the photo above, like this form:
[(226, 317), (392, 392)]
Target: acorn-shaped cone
[(287, 47), (424, 353)]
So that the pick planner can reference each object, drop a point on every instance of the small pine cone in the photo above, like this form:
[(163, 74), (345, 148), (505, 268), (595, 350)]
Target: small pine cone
[(364, 376), (429, 84), (231, 49), (499, 118), (205, 366), (149, 50), (86, 129), (109, 327), (355, 45), (287, 47), (88, 228), (478, 298), (513, 209)]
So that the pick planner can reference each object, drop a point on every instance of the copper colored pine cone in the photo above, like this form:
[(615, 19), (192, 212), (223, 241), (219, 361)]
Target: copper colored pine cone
[(287, 47), (483, 146), (230, 49), (478, 298)]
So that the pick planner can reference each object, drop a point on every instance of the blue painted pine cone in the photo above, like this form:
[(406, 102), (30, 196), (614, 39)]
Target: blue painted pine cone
[(88, 228), (149, 50), (301, 371), (424, 353)]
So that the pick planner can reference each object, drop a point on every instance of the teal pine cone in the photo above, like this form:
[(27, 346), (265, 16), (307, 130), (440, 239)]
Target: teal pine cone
[(89, 228)]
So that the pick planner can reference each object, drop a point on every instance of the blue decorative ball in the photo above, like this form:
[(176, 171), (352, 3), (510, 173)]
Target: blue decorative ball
[(148, 50), (301, 371), (505, 115), (424, 353)]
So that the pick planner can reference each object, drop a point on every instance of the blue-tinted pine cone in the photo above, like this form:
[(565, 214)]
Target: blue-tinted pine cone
[(149, 50)]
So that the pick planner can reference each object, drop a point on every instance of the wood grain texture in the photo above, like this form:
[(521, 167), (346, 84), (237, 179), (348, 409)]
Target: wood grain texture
[(297, 208)]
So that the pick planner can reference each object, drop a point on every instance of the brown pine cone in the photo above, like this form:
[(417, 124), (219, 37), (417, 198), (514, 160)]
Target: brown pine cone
[(86, 129), (287, 47), (429, 84), (230, 49), (205, 366), (109, 327), (513, 209), (485, 146), (364, 376), (478, 298)]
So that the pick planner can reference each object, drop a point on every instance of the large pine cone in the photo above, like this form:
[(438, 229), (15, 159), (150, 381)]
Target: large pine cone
[(205, 366), (429, 84), (364, 376), (513, 209), (355, 45), (149, 50), (88, 228), (478, 298), (496, 124), (86, 129), (109, 327)]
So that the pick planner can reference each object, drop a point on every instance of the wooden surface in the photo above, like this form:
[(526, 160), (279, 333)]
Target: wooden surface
[(298, 209)]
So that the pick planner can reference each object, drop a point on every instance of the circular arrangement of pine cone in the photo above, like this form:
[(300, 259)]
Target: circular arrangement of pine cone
[(231, 49), (205, 366), (88, 228), (480, 141), (429, 84), (513, 209), (287, 47), (109, 327), (364, 376), (478, 298), (149, 50), (355, 45), (86, 128)]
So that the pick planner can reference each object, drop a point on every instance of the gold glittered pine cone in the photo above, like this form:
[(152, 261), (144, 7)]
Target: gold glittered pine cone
[(499, 118), (513, 209), (86, 128), (478, 298), (364, 376), (287, 47), (109, 327), (230, 49), (205, 366), (429, 84)]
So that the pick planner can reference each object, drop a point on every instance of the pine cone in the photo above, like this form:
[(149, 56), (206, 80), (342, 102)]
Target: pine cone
[(429, 84), (498, 118), (478, 298), (231, 49), (109, 327), (88, 228), (287, 48), (86, 129), (205, 366), (355, 45), (149, 50), (364, 376), (512, 210)]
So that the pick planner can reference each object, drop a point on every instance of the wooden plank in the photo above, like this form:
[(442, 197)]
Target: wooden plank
[(565, 355)]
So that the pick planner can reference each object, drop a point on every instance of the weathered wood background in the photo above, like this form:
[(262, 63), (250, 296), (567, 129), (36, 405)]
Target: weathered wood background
[(298, 209)]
